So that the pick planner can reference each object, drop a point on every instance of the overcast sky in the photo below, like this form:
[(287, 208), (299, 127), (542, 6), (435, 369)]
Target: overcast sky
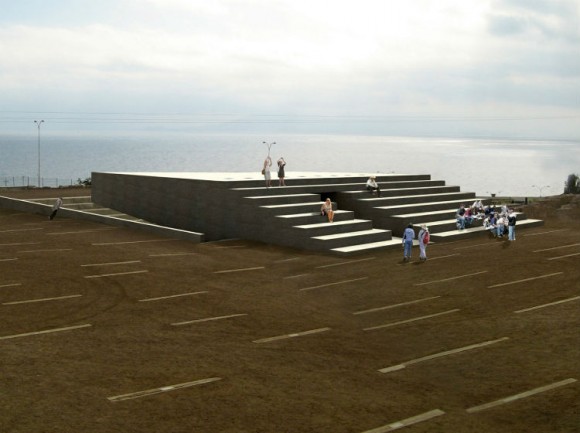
[(399, 67)]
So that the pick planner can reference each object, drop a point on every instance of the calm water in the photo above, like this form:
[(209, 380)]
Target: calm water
[(506, 167)]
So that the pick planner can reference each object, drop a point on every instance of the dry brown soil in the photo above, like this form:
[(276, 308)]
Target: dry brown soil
[(90, 312)]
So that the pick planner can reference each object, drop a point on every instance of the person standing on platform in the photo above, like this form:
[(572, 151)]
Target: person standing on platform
[(423, 242), (281, 174), (512, 226), (408, 237), (55, 208), (266, 171)]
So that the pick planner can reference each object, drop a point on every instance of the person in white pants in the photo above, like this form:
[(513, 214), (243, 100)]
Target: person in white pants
[(423, 241)]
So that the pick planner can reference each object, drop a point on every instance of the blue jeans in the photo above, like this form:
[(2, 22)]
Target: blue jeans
[(500, 229), (512, 233), (461, 222), (408, 247)]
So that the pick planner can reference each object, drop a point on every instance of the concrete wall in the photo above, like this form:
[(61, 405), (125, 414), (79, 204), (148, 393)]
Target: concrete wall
[(188, 204)]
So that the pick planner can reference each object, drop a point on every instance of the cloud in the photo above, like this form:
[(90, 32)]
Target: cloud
[(296, 56), (539, 20)]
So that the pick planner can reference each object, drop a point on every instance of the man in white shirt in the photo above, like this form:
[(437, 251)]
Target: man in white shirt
[(373, 186)]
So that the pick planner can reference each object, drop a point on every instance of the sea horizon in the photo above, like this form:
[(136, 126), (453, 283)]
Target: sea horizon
[(484, 165)]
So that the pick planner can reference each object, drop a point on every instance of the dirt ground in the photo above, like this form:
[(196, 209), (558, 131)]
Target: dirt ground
[(106, 330)]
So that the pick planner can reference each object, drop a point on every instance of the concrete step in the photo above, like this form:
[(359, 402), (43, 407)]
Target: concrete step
[(435, 203), (339, 240), (315, 217), (327, 228), (451, 223), (419, 199), (444, 225), (393, 243), (431, 215), (284, 198), (398, 192), (334, 187), (423, 217), (326, 179), (293, 208), (480, 231)]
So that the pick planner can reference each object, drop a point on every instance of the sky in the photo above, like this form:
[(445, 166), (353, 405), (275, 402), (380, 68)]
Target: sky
[(486, 68)]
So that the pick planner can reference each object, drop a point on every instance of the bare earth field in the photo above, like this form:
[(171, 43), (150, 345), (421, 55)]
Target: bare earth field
[(106, 330)]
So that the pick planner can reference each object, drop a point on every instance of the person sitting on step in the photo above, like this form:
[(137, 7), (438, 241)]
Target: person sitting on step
[(373, 186), (326, 209)]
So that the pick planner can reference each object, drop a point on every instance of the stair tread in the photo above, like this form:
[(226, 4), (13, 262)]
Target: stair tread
[(336, 223), (368, 246), (405, 189), (420, 214), (480, 229), (350, 234), (460, 193), (354, 184), (282, 195), (280, 206), (476, 221), (299, 215), (413, 205)]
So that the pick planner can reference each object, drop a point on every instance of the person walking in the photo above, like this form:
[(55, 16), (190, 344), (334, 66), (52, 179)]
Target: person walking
[(326, 209), (512, 226), (373, 186), (423, 242), (55, 207), (408, 237), (281, 174)]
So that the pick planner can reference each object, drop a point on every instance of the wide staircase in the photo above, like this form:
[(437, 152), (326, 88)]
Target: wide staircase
[(290, 215)]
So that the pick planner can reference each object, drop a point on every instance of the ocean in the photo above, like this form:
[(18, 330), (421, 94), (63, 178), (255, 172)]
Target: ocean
[(484, 166)]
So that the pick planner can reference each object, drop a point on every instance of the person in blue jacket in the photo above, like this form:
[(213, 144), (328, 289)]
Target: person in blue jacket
[(408, 237)]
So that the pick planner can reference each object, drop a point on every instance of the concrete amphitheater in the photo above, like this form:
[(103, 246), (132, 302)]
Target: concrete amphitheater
[(216, 206)]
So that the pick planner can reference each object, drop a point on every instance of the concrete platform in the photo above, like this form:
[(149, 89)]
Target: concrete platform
[(238, 205)]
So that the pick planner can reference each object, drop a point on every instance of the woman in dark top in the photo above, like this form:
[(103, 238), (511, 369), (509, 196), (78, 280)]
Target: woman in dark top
[(281, 174)]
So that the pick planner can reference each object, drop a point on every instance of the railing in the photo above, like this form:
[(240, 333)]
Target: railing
[(32, 182)]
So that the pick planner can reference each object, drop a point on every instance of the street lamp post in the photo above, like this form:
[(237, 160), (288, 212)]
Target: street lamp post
[(540, 188), (269, 145), (38, 123)]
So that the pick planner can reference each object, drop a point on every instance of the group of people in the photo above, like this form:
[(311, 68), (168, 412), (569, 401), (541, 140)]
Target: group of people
[(266, 171), (498, 222)]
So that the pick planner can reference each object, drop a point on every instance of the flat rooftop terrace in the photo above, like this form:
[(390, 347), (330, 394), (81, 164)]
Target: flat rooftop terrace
[(229, 176)]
